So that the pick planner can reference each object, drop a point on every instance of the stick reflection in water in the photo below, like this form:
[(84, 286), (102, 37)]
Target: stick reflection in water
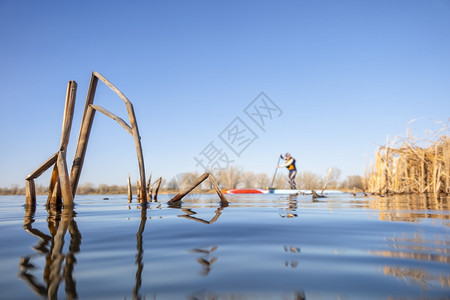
[(58, 224)]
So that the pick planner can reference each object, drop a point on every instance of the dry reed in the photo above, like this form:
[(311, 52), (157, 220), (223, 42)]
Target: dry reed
[(404, 167)]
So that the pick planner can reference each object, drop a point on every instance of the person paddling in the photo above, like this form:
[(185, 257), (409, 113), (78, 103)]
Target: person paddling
[(290, 165)]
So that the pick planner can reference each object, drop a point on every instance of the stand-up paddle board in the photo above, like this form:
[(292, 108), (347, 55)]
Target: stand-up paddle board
[(275, 191)]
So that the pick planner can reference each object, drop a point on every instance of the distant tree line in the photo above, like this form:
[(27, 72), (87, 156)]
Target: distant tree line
[(233, 177)]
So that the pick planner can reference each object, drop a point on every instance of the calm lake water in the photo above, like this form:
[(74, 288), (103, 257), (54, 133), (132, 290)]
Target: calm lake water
[(259, 247)]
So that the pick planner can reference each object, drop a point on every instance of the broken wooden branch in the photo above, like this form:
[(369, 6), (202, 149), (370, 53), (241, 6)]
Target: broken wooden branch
[(68, 114), (64, 180), (149, 188), (326, 181), (44, 167), (158, 184), (59, 182), (315, 195), (30, 197), (135, 131), (223, 200), (130, 193), (113, 116), (197, 182), (83, 138), (69, 106), (189, 188)]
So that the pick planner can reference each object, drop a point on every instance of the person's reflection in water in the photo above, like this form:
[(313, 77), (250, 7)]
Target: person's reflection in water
[(58, 224), (291, 210)]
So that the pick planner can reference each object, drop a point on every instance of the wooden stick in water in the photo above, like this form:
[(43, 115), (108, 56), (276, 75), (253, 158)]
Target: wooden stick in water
[(138, 192), (135, 131), (44, 167), (223, 200), (158, 184), (113, 116), (64, 180), (188, 189), (83, 138), (30, 198), (68, 114), (130, 193), (149, 188), (326, 181)]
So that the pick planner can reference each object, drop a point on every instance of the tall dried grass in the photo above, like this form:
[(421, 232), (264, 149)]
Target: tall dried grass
[(404, 167)]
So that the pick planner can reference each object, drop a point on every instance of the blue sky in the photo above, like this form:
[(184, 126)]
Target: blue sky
[(345, 74)]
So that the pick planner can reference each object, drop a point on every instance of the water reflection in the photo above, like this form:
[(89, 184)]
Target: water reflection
[(52, 246), (206, 259), (210, 295), (416, 247), (140, 252), (293, 263), (189, 214), (410, 208), (415, 254), (417, 276), (291, 210)]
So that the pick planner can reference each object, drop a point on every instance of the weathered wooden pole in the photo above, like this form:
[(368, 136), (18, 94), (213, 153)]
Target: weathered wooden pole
[(135, 131), (137, 142), (64, 180), (158, 184), (68, 114), (113, 116), (65, 134), (223, 200), (138, 191), (326, 181), (149, 188), (85, 131), (130, 193), (54, 197), (30, 197)]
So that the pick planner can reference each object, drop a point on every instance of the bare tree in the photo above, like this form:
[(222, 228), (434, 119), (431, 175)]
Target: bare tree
[(333, 179), (229, 178), (248, 179), (309, 180), (353, 181), (262, 181)]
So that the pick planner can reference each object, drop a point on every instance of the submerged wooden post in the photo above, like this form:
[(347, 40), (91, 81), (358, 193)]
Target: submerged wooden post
[(83, 138), (158, 184), (326, 181), (68, 114), (138, 191), (54, 195), (149, 188), (223, 200), (30, 197), (65, 134), (137, 142), (64, 180), (130, 193)]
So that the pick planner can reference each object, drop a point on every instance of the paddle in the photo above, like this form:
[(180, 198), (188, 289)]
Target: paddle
[(275, 174)]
